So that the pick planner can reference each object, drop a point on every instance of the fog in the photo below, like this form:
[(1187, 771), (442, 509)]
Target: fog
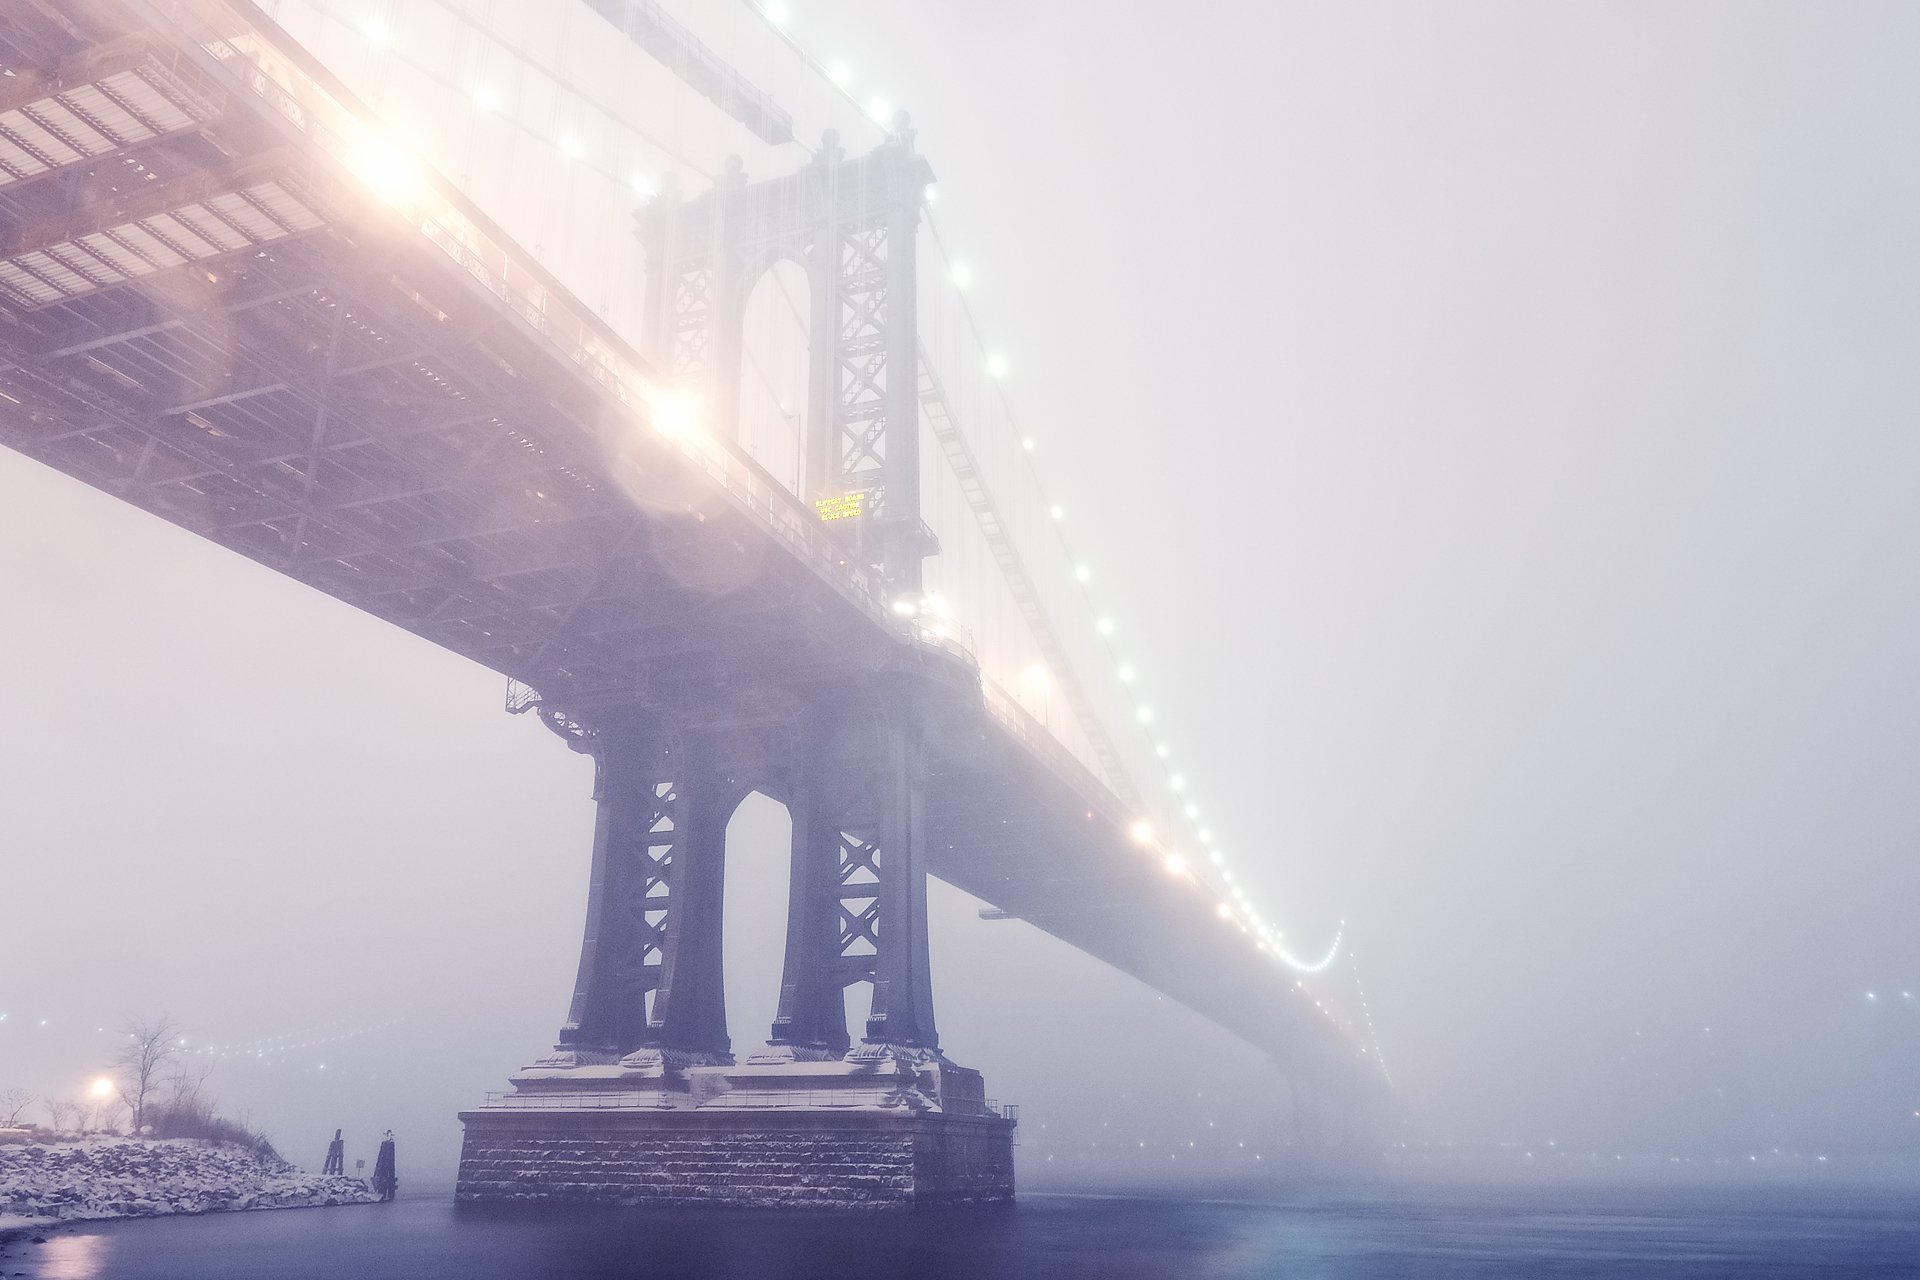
[(1494, 425)]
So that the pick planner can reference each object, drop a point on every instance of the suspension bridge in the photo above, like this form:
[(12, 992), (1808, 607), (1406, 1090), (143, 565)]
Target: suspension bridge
[(613, 345)]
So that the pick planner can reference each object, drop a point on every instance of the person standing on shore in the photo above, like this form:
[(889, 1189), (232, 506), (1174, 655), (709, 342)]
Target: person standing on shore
[(336, 1156), (385, 1181)]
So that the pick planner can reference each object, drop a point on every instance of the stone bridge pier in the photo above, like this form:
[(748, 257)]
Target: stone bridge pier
[(643, 1099)]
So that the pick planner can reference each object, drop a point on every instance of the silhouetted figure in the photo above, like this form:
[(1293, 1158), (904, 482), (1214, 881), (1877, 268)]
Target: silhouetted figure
[(384, 1179), (336, 1156)]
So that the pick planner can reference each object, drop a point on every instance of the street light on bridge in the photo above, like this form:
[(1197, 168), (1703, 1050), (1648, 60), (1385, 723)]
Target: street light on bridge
[(387, 168), (673, 411)]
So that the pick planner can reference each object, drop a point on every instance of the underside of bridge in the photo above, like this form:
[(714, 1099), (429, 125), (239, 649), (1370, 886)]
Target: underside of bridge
[(208, 312)]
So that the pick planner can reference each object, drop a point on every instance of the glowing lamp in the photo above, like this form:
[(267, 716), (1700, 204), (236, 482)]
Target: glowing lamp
[(675, 413), (387, 169)]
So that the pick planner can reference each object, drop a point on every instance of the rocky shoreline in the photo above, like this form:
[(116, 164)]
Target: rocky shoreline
[(44, 1184)]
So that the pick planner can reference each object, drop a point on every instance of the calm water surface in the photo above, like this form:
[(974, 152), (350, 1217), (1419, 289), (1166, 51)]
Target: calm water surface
[(1759, 1232)]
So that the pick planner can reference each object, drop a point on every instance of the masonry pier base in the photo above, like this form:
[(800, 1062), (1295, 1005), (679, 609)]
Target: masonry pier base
[(891, 1132)]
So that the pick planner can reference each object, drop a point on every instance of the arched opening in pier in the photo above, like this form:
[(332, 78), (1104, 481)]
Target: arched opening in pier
[(754, 918), (774, 372)]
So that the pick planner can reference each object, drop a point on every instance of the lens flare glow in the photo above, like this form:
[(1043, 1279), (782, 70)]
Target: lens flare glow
[(388, 168), (674, 412)]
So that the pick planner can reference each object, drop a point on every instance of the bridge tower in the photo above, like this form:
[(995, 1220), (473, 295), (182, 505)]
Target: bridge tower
[(644, 1060), (852, 226)]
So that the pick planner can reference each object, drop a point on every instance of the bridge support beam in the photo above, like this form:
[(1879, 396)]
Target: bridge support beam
[(640, 824), (857, 901), (902, 1014), (690, 1010), (811, 1021), (650, 962)]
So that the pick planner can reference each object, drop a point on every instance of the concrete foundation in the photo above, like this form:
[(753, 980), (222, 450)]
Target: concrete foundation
[(886, 1132)]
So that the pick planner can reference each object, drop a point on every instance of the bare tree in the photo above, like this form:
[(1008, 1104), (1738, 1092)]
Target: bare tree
[(185, 1111), (151, 1046), (186, 1088), (13, 1105), (62, 1112)]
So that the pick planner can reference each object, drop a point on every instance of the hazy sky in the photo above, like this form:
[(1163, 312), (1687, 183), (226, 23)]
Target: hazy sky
[(1493, 422)]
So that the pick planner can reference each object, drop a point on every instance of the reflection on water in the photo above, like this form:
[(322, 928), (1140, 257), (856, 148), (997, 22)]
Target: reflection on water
[(72, 1257), (1752, 1233)]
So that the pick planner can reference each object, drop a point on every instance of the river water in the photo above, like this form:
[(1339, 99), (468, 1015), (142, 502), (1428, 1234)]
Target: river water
[(1537, 1233)]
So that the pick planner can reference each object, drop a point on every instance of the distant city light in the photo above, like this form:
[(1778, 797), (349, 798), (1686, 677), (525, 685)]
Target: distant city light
[(905, 606), (1141, 831), (1176, 864)]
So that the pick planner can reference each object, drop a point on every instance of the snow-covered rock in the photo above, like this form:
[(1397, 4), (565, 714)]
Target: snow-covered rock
[(137, 1177)]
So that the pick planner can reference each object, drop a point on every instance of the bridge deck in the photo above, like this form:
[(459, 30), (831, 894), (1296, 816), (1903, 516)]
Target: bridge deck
[(208, 310)]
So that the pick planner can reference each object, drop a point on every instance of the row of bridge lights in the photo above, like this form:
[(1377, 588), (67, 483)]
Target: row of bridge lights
[(388, 167), (1232, 905)]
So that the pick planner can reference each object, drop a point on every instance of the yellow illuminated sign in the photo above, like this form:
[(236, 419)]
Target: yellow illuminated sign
[(845, 506)]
